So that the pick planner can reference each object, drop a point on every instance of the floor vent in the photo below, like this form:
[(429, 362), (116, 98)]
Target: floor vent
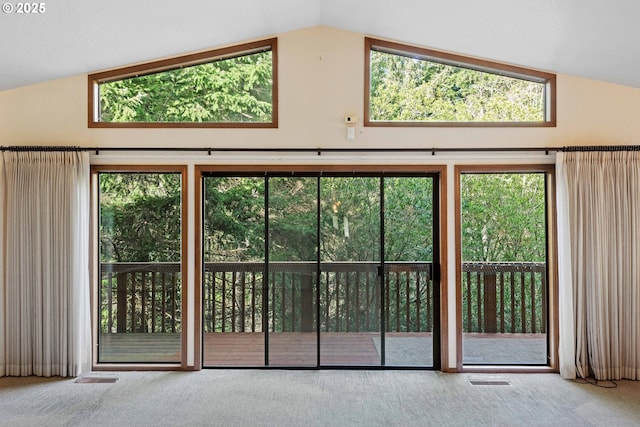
[(91, 379), (484, 380)]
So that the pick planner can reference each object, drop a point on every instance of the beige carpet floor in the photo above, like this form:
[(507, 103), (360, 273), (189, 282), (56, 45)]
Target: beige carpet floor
[(315, 398)]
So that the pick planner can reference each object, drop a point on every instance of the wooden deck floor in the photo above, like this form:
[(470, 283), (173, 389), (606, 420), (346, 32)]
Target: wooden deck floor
[(290, 349), (336, 349), (139, 348)]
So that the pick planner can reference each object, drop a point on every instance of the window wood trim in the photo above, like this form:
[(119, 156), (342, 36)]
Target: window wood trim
[(461, 61), (94, 80)]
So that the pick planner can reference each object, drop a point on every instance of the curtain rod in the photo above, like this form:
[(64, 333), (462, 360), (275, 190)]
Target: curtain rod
[(319, 151)]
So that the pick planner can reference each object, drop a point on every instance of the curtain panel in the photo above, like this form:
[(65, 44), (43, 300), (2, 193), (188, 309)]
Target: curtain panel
[(599, 267), (46, 322)]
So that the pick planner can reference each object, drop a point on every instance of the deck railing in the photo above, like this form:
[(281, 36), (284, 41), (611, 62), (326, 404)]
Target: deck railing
[(146, 297), (505, 297), (140, 297), (349, 297)]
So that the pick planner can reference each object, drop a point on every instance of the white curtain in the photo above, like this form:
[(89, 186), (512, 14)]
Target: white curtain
[(46, 329), (598, 206)]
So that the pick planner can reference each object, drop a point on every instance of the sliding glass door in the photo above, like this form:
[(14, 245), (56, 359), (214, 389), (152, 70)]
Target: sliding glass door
[(309, 270), (350, 298), (140, 268), (233, 291), (410, 293), (503, 239), (292, 284)]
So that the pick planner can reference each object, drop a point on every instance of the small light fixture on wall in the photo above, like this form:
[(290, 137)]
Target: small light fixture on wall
[(351, 121)]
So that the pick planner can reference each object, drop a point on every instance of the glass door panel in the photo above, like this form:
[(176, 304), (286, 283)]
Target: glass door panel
[(233, 275), (140, 241), (293, 254), (350, 256), (504, 291), (408, 281), (321, 293)]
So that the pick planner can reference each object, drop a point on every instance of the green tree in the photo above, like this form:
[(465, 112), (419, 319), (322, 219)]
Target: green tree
[(409, 89), (292, 218), (349, 215), (140, 217), (234, 218), (236, 89), (503, 217), (408, 211)]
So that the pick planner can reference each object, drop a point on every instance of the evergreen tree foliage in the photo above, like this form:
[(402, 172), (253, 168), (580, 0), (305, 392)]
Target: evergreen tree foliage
[(236, 89), (409, 89)]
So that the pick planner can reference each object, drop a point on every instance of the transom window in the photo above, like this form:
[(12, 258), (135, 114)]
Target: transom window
[(231, 87), (410, 86)]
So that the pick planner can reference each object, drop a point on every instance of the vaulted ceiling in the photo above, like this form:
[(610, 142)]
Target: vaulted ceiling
[(595, 39)]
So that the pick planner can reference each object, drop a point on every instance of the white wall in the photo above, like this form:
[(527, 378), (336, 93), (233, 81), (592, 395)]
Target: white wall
[(321, 80)]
